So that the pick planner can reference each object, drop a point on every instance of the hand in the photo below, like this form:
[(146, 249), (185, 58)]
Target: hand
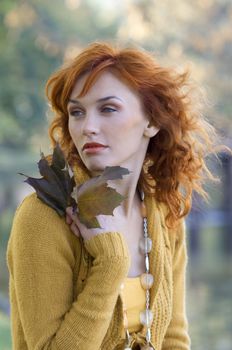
[(108, 223), (71, 220)]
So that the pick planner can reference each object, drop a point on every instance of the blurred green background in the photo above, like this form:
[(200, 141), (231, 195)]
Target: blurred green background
[(36, 36)]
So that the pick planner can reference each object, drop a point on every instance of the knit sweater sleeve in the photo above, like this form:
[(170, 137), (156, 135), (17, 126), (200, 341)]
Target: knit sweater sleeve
[(41, 259), (177, 337)]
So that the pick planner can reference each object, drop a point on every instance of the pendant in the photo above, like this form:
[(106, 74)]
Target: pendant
[(146, 317)]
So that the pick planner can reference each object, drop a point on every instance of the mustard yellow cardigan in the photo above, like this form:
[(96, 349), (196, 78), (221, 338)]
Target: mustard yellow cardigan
[(64, 294)]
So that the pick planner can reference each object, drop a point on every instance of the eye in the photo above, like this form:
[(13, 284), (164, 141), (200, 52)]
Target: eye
[(108, 109), (76, 113)]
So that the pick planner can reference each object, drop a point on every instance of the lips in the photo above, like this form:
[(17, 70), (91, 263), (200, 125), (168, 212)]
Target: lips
[(90, 145)]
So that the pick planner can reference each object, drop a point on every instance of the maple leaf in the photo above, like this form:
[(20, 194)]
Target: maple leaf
[(95, 197), (56, 185), (57, 189)]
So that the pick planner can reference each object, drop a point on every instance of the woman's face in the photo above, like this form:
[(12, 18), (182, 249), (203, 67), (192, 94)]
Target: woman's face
[(111, 115)]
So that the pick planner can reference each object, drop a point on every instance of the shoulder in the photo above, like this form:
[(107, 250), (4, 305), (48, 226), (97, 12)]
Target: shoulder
[(33, 213), (29, 205), (35, 224)]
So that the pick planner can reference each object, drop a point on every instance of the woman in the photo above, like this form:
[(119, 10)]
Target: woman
[(121, 286)]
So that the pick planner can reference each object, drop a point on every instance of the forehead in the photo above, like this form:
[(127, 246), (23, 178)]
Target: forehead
[(106, 82)]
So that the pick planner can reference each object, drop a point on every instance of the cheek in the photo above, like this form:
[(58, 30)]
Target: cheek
[(133, 128), (73, 131), (128, 123)]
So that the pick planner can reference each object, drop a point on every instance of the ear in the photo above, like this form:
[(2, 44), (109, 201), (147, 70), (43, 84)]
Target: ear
[(150, 130)]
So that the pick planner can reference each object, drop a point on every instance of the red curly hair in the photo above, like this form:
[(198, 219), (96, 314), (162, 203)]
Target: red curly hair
[(175, 161)]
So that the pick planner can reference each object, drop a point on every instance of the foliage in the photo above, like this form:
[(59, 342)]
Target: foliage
[(56, 185), (92, 198), (95, 197)]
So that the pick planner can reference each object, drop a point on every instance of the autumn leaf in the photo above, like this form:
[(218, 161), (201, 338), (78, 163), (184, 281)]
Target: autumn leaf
[(57, 189), (95, 197), (56, 185)]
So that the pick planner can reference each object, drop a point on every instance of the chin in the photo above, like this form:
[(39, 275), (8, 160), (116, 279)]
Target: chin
[(95, 169)]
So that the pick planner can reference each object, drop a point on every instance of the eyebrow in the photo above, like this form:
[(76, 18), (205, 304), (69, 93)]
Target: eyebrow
[(99, 100)]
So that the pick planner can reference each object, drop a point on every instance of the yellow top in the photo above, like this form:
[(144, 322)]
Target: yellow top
[(135, 302), (65, 295)]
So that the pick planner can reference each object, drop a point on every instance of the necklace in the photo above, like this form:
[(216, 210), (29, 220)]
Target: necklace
[(146, 279)]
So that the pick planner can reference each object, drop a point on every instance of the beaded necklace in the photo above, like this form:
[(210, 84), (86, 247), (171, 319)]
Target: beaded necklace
[(146, 279)]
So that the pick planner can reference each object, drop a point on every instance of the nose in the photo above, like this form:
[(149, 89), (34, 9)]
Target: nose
[(90, 125)]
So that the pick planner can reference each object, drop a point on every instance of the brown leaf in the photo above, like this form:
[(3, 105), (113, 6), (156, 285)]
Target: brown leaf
[(95, 197), (92, 198), (101, 200), (56, 185)]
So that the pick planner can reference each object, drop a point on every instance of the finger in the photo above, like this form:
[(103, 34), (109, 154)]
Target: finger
[(71, 214), (69, 211), (68, 219), (75, 229)]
